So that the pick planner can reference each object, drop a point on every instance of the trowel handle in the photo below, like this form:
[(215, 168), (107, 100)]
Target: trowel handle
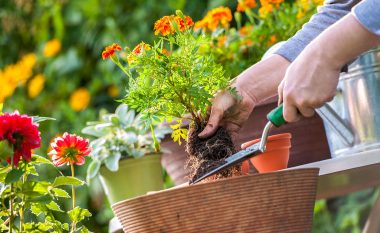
[(276, 116)]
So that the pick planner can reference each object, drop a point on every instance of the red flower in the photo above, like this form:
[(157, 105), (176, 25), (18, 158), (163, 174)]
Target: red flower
[(69, 149), (110, 50), (21, 133)]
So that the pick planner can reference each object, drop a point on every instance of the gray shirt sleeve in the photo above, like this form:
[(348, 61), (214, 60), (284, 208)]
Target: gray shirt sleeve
[(328, 14), (368, 14)]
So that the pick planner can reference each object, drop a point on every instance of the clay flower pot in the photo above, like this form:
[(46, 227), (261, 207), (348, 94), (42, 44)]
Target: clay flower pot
[(275, 157), (272, 202)]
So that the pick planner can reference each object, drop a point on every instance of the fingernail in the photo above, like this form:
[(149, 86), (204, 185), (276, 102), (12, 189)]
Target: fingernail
[(242, 145)]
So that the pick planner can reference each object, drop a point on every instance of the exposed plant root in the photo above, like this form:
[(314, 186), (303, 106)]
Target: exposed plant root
[(207, 154)]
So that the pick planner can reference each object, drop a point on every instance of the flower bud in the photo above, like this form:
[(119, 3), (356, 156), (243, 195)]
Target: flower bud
[(238, 18), (179, 14)]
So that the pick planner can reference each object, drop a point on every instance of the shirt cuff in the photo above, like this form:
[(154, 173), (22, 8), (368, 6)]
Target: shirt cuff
[(367, 13)]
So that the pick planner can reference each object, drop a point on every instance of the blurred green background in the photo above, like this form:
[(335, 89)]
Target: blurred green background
[(70, 82)]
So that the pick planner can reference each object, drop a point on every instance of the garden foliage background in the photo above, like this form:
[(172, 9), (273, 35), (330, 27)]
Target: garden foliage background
[(50, 65)]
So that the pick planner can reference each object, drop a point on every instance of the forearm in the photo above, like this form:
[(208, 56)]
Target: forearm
[(327, 15), (261, 80), (343, 42)]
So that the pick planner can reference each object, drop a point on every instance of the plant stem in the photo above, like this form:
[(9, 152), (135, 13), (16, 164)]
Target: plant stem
[(22, 205), (73, 197), (72, 187), (11, 201), (123, 69)]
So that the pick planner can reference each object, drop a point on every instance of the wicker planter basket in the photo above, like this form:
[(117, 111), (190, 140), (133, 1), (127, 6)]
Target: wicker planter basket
[(272, 202)]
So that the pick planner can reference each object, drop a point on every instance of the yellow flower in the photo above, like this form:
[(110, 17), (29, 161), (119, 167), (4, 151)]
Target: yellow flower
[(318, 2), (51, 48), (265, 9), (80, 99), (16, 74), (113, 91), (7, 87), (36, 85), (300, 14)]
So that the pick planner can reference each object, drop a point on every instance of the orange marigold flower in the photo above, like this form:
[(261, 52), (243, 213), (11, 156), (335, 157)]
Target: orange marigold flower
[(183, 24), (164, 27), (137, 51), (245, 30), (110, 50), (246, 42), (220, 16), (246, 4), (271, 2), (140, 47), (272, 40), (69, 149), (165, 52), (222, 41)]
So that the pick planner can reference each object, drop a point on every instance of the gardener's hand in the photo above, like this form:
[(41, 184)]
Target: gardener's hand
[(311, 79), (309, 83), (254, 85)]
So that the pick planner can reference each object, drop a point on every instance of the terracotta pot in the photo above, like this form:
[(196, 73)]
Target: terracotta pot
[(275, 157), (262, 203)]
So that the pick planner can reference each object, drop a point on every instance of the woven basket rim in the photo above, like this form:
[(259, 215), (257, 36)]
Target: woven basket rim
[(214, 182)]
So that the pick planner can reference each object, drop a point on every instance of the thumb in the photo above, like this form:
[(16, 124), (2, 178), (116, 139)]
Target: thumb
[(213, 123)]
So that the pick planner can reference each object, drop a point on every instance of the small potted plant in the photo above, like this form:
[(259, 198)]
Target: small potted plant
[(174, 80), (124, 154)]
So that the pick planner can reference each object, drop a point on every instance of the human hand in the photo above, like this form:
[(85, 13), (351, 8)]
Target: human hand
[(254, 85), (309, 82), (229, 112), (311, 79)]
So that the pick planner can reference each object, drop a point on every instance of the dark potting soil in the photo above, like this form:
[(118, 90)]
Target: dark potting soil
[(207, 154)]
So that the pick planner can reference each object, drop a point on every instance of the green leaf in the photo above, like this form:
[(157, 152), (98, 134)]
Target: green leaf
[(45, 199), (93, 169), (37, 119), (40, 159), (5, 149), (112, 161), (78, 214), (54, 206), (57, 192), (1, 107), (37, 188), (13, 176), (84, 230), (37, 209), (30, 169), (67, 180)]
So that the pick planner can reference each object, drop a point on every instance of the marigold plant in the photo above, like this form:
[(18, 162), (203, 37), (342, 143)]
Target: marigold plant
[(173, 79)]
